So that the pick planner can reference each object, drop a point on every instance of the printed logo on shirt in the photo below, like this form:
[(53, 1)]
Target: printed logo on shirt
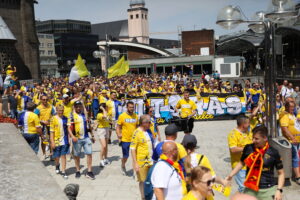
[(186, 106), (130, 120)]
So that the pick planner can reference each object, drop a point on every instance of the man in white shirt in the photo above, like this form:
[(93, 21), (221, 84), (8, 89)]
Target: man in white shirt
[(166, 181)]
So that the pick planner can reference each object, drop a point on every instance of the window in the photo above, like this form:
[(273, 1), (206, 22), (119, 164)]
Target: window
[(41, 45), (137, 16), (42, 52), (225, 69), (50, 53), (49, 36), (142, 16), (49, 45), (237, 69), (145, 16), (131, 16)]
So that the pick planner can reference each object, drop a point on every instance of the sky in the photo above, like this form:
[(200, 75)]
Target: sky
[(164, 15)]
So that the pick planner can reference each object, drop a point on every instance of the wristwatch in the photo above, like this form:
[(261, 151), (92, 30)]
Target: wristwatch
[(280, 190)]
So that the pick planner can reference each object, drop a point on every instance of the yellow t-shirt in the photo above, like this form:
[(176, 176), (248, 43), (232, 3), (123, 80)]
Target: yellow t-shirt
[(45, 113), (238, 139), (102, 122), (186, 107), (189, 196), (129, 124), (30, 122), (290, 121), (141, 142), (79, 121), (58, 126), (153, 129), (68, 108), (204, 162), (181, 151)]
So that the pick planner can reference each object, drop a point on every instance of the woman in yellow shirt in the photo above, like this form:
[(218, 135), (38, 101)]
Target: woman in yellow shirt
[(102, 128), (194, 160), (201, 183)]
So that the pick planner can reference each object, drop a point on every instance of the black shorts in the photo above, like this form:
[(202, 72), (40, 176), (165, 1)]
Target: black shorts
[(187, 125)]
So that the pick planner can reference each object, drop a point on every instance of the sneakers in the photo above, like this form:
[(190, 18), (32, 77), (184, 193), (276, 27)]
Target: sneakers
[(90, 175), (102, 163), (64, 175), (57, 170), (297, 180), (77, 175), (123, 171), (106, 162)]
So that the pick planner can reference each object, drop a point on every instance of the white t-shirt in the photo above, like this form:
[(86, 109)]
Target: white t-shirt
[(166, 177)]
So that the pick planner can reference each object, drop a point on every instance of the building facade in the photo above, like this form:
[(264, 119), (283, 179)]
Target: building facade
[(48, 58), (72, 37), (18, 15), (138, 25)]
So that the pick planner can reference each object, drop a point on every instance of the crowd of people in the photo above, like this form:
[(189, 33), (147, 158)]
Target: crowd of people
[(64, 118)]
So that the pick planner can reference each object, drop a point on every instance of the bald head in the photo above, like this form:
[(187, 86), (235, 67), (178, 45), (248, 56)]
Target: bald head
[(170, 150), (240, 196)]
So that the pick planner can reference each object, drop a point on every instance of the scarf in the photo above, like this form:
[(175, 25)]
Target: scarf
[(178, 169), (255, 162)]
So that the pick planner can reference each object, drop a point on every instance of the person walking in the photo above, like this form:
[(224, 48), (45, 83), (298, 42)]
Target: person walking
[(102, 130), (29, 122), (141, 150), (291, 130), (167, 177), (201, 184), (238, 138), (59, 140), (127, 123), (261, 159), (188, 110), (78, 131)]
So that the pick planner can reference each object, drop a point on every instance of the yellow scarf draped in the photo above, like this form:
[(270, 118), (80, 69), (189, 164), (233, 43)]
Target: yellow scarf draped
[(179, 170)]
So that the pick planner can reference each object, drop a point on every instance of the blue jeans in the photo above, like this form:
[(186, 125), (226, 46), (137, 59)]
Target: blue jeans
[(240, 179), (85, 143), (295, 155), (33, 140), (13, 114)]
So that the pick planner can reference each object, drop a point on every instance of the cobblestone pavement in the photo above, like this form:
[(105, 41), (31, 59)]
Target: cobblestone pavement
[(110, 184)]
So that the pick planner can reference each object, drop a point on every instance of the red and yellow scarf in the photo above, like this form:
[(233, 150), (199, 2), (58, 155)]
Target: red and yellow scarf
[(255, 162), (179, 170)]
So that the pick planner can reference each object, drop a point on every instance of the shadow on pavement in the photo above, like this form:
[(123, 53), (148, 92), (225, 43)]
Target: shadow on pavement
[(72, 170)]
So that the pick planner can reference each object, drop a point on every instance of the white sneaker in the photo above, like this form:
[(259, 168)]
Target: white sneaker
[(123, 171), (106, 162), (102, 163)]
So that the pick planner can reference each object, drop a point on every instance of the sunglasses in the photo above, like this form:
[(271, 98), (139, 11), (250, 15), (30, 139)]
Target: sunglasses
[(44, 99), (209, 182)]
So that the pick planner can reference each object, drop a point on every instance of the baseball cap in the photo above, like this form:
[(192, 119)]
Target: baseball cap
[(171, 129), (189, 141), (65, 96), (77, 103)]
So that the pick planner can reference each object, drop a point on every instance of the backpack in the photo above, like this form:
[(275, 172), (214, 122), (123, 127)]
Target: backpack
[(148, 187)]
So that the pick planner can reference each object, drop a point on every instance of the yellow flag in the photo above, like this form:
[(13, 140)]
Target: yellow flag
[(119, 69), (81, 67)]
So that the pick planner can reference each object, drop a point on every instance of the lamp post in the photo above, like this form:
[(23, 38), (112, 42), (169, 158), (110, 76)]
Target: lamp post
[(231, 16), (282, 57)]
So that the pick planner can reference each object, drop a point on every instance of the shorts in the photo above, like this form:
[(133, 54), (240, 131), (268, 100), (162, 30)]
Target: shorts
[(113, 125), (61, 151), (85, 143), (142, 174), (240, 179), (187, 125), (265, 194), (33, 140), (102, 133), (125, 149), (295, 155)]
